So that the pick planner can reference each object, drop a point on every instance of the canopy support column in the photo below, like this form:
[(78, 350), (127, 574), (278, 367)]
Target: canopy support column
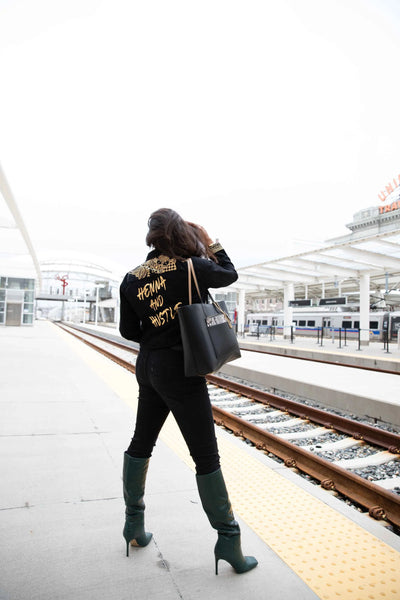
[(364, 310), (288, 294), (241, 312)]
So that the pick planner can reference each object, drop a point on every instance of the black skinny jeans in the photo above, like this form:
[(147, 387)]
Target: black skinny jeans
[(163, 387)]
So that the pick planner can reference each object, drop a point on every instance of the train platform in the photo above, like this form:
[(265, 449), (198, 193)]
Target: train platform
[(67, 415), (306, 346), (358, 392), (375, 354)]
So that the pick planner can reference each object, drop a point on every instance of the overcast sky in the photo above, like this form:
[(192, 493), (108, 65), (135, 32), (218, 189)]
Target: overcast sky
[(269, 122)]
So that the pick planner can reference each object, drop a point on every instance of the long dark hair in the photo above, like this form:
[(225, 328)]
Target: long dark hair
[(170, 234)]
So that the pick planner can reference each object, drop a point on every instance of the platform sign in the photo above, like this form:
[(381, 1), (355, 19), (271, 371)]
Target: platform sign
[(300, 302), (332, 301)]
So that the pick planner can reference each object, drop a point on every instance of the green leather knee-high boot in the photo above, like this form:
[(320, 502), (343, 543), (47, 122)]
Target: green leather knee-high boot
[(134, 480), (216, 504)]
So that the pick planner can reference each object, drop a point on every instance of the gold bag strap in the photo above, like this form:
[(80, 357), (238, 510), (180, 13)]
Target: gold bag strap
[(191, 273)]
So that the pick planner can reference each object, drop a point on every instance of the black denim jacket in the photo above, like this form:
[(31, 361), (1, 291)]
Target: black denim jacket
[(152, 293)]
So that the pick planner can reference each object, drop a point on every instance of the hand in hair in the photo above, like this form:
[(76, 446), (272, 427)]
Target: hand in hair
[(202, 233)]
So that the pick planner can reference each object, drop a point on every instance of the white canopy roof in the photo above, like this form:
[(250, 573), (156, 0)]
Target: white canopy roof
[(376, 255), (337, 265), (17, 255)]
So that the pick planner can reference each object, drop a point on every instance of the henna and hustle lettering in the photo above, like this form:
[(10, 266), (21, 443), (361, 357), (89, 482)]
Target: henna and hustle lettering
[(151, 288), (156, 303), (165, 315), (152, 291)]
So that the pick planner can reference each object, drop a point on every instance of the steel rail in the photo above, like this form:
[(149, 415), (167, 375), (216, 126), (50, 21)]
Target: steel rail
[(127, 344), (359, 431), (124, 344), (380, 503), (120, 361)]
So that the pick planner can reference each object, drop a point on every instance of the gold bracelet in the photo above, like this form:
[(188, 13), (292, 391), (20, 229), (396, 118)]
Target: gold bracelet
[(215, 247)]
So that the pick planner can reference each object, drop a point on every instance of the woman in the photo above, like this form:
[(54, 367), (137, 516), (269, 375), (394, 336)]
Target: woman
[(151, 295)]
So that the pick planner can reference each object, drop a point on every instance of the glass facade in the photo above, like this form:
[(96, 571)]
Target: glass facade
[(77, 284), (17, 301), (2, 303), (230, 299), (78, 291)]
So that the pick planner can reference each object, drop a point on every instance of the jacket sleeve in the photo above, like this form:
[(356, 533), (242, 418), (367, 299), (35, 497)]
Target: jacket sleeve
[(129, 323), (215, 275)]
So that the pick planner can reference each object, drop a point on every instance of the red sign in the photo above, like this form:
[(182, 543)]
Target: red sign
[(389, 207), (64, 282), (389, 189)]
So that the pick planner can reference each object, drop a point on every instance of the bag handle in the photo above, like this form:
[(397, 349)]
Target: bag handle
[(192, 273)]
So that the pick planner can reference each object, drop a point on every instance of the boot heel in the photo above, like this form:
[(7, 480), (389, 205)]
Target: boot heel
[(140, 541), (215, 501), (134, 478), (229, 549)]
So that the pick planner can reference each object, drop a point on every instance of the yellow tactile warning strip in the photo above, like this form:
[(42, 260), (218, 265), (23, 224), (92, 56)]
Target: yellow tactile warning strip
[(335, 557)]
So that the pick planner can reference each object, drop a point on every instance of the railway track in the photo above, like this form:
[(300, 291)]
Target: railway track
[(358, 461)]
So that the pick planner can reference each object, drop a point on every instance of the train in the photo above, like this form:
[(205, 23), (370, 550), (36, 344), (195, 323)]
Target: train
[(383, 325)]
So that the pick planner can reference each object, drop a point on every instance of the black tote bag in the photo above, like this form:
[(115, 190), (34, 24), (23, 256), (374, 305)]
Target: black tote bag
[(208, 338)]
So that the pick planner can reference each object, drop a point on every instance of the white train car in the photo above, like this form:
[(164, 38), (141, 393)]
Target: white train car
[(310, 321)]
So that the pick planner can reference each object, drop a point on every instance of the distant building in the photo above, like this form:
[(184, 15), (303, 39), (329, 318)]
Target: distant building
[(261, 303), (78, 290), (17, 300), (375, 219)]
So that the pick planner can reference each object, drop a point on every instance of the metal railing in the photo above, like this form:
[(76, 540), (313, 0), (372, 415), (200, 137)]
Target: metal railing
[(339, 334)]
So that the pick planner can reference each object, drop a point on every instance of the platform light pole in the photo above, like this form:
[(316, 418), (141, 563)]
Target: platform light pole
[(85, 293), (76, 298), (69, 313), (97, 286)]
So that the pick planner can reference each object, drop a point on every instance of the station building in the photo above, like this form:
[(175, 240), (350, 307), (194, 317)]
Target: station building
[(78, 290), (367, 259), (361, 265), (17, 300), (67, 288), (375, 220)]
